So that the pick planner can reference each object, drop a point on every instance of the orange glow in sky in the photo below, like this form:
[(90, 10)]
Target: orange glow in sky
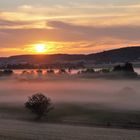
[(40, 48), (74, 27)]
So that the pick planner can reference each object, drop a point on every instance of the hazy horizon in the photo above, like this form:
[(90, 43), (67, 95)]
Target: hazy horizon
[(67, 53)]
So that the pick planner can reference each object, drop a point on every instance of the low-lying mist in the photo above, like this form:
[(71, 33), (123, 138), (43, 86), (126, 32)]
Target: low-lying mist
[(117, 94)]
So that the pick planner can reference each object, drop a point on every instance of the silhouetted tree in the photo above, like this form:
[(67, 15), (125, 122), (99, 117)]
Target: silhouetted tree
[(39, 71), (39, 105), (62, 71), (125, 70), (117, 68), (7, 72), (88, 70), (127, 67), (50, 71), (25, 72), (105, 70)]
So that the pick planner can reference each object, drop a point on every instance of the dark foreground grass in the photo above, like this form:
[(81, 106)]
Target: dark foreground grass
[(78, 114), (82, 115)]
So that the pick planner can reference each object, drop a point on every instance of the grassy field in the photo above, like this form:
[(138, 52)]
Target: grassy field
[(83, 109), (95, 116), (19, 130), (77, 114)]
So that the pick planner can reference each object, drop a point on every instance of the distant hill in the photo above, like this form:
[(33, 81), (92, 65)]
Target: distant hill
[(116, 55), (112, 56)]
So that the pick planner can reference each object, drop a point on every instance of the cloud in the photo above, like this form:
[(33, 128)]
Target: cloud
[(128, 32), (5, 23), (79, 12), (63, 32)]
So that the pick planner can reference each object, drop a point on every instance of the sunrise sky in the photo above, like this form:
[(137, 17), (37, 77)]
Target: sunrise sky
[(63, 26)]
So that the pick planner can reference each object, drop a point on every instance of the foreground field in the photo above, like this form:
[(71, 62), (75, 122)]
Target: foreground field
[(18, 130), (78, 105), (76, 114)]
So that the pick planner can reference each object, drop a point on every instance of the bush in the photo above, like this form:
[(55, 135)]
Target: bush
[(39, 104)]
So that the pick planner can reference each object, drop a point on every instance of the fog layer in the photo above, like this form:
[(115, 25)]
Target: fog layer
[(120, 94)]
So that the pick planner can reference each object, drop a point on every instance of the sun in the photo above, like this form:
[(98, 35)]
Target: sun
[(40, 48)]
